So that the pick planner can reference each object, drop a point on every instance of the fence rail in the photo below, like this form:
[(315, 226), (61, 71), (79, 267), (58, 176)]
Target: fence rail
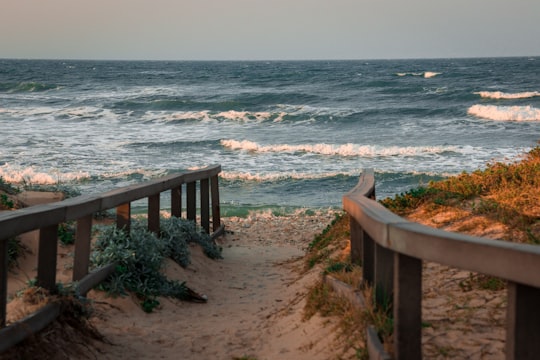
[(392, 249), (47, 217)]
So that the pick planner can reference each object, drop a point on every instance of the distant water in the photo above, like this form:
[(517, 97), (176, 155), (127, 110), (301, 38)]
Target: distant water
[(287, 134)]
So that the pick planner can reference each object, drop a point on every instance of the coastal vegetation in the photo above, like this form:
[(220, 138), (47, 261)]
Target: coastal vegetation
[(504, 192), (140, 256)]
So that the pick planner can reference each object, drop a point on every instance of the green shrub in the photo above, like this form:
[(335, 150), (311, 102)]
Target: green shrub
[(139, 257), (16, 250)]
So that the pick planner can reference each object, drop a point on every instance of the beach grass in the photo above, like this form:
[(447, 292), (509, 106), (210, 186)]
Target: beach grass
[(507, 193)]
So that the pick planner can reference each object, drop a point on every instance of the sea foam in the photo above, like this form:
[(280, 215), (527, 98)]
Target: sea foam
[(505, 113), (336, 149), (30, 176), (502, 95), (425, 74), (276, 176)]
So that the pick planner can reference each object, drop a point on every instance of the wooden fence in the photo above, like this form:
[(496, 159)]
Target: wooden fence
[(47, 218), (392, 249)]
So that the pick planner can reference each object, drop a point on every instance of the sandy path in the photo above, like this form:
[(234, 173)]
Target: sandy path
[(255, 300)]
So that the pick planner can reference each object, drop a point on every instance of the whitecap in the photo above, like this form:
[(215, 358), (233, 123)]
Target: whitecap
[(430, 74), (502, 95), (276, 176), (345, 150), (505, 113), (30, 176)]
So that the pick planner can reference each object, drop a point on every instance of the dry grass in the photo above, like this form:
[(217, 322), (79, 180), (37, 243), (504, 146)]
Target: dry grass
[(505, 193), (70, 336), (331, 252)]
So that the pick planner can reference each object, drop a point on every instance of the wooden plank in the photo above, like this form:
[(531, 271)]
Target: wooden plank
[(523, 322), (23, 329), (368, 258), (356, 241), (3, 281), (407, 307), (191, 201), (123, 217), (205, 205), (374, 346), (384, 276), (47, 253), (511, 261), (13, 223), (216, 210), (83, 239), (153, 213), (176, 201)]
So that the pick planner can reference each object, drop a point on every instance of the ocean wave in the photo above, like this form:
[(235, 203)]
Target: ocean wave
[(502, 95), (30, 176), (281, 176), (505, 113), (425, 74), (337, 149)]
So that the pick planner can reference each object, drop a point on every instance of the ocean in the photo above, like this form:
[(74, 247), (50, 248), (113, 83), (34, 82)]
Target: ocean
[(289, 135)]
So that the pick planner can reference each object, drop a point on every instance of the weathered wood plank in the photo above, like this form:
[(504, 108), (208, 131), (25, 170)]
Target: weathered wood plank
[(384, 276), (153, 213), (176, 201), (356, 241), (205, 205), (523, 322), (123, 217), (191, 201), (47, 254), (407, 307), (216, 210), (368, 258), (83, 238), (3, 280)]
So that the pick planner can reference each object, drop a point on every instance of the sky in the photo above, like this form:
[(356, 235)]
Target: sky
[(268, 29)]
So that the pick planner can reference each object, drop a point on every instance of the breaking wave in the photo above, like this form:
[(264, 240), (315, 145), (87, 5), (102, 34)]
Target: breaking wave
[(338, 149), (425, 74), (505, 113), (277, 176), (502, 95), (30, 176)]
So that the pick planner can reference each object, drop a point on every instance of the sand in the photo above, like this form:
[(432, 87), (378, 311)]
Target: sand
[(255, 299), (256, 295)]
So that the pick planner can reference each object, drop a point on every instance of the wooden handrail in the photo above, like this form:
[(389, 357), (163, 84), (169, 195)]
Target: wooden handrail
[(47, 217), (392, 249)]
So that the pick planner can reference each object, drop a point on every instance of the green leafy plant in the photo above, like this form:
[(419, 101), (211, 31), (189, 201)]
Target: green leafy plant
[(139, 257), (66, 233), (16, 249), (6, 202)]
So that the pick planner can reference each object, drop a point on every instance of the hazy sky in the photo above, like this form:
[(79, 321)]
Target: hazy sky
[(267, 29)]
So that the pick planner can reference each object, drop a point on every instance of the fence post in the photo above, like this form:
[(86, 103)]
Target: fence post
[(216, 212), (523, 322), (356, 241), (47, 251), (384, 276), (191, 201), (153, 213), (205, 205), (83, 237), (407, 307), (3, 281), (176, 201), (368, 258), (123, 217)]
